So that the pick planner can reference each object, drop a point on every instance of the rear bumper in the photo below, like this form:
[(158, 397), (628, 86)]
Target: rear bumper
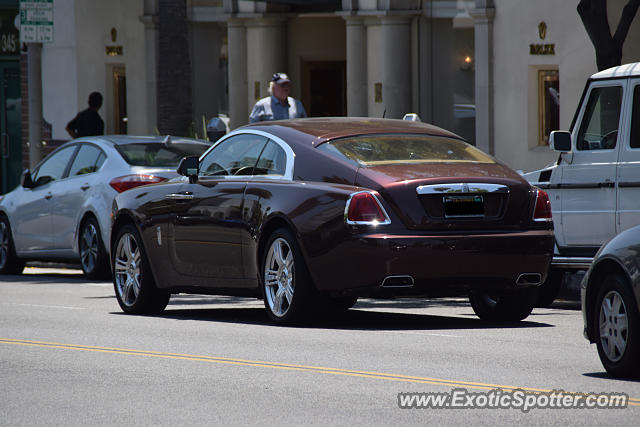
[(440, 265)]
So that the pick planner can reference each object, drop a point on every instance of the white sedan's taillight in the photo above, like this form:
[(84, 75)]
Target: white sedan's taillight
[(127, 182), (542, 212)]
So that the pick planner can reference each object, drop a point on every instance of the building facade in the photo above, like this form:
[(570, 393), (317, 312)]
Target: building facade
[(489, 70)]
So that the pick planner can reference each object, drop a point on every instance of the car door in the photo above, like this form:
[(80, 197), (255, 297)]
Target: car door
[(629, 162), (69, 195), (588, 200), (207, 229), (33, 215)]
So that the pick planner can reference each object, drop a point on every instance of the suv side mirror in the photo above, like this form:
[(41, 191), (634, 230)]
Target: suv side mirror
[(189, 167), (26, 180), (560, 140)]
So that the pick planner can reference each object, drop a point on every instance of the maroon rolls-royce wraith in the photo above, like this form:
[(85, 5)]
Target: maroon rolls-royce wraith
[(313, 213)]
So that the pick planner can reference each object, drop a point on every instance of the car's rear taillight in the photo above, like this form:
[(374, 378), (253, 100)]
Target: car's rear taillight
[(363, 208), (127, 182), (542, 212)]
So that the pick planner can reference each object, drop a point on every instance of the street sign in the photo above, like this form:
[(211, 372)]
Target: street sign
[(36, 21)]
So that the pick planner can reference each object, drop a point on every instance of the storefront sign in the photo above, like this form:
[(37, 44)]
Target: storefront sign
[(542, 49)]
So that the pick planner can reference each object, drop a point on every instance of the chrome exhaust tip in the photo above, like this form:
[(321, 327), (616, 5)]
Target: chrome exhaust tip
[(529, 279), (398, 282)]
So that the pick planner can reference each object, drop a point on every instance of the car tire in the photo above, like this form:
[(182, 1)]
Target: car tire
[(133, 281), (286, 285), (548, 291), (9, 262), (617, 327), (93, 257), (503, 306)]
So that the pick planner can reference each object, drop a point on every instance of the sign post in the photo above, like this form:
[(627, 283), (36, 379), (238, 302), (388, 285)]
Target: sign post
[(36, 27)]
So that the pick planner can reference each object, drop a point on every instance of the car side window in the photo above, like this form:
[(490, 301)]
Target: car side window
[(88, 160), (635, 119), (273, 160), (54, 167), (236, 155), (599, 128)]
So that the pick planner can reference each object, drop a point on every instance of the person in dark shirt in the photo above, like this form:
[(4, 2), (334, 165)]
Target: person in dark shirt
[(88, 122)]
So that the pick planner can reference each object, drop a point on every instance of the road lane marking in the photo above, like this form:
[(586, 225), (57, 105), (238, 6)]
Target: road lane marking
[(45, 306), (287, 366)]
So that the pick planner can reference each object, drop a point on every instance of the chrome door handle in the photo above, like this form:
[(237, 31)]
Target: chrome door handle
[(48, 196), (179, 196), (84, 187)]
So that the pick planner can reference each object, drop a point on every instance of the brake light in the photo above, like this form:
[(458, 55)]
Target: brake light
[(364, 209), (127, 182), (542, 212)]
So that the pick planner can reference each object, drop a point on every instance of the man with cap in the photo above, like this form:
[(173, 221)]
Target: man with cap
[(279, 105)]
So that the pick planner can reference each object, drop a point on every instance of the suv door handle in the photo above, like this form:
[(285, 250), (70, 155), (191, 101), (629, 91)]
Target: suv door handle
[(84, 187), (48, 196)]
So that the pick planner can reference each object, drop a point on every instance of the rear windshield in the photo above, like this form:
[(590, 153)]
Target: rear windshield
[(158, 154), (376, 150)]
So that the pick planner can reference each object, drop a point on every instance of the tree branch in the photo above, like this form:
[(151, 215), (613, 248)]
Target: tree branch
[(628, 13)]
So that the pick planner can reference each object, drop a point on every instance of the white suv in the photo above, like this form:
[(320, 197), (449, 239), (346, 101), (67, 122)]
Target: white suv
[(594, 186)]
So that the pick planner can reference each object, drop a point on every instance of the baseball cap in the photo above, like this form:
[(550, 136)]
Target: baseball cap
[(279, 78)]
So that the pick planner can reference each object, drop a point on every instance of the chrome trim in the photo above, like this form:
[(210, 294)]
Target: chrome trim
[(396, 277), (528, 282), (288, 173), (386, 221), (576, 263), (462, 187), (179, 196)]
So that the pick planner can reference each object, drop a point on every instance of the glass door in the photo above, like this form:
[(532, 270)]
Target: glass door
[(10, 126)]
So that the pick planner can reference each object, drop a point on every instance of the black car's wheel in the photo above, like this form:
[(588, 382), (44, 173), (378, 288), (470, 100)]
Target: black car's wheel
[(9, 262), (286, 286), (503, 306), (548, 291), (93, 256), (133, 281), (617, 328)]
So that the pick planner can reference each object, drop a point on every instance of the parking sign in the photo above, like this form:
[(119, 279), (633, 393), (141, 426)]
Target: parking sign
[(36, 21)]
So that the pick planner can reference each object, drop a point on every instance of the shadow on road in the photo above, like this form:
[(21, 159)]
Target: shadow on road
[(605, 376), (357, 318)]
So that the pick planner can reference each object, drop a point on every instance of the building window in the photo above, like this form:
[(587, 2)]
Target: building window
[(548, 104)]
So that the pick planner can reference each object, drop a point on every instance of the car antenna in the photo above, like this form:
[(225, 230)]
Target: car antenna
[(167, 140)]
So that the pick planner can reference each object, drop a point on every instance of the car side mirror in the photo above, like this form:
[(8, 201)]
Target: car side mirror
[(26, 180), (560, 140), (189, 167)]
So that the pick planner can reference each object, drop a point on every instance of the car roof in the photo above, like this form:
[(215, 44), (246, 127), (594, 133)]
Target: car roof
[(621, 71), (315, 131), (132, 139)]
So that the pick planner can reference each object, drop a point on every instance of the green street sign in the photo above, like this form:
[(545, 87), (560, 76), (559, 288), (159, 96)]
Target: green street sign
[(36, 21)]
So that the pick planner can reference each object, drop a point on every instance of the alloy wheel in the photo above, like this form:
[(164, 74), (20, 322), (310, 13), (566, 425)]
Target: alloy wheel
[(89, 247), (613, 323), (279, 275), (127, 269)]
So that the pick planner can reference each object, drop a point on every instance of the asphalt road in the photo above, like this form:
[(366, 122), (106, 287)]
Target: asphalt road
[(68, 356)]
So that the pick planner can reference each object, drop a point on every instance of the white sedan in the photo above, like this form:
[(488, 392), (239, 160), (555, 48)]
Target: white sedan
[(61, 211)]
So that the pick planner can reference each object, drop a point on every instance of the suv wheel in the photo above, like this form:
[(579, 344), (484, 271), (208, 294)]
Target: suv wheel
[(503, 306)]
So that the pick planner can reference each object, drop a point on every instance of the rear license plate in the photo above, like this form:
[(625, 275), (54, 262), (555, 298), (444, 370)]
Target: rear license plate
[(463, 206)]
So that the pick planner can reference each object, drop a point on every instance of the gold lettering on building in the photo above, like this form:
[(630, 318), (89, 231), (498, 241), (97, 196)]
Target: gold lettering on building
[(114, 50), (542, 49)]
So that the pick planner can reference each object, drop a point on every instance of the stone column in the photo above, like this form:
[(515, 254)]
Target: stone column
[(395, 50), (238, 94), (483, 22), (266, 54), (150, 21), (356, 67)]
